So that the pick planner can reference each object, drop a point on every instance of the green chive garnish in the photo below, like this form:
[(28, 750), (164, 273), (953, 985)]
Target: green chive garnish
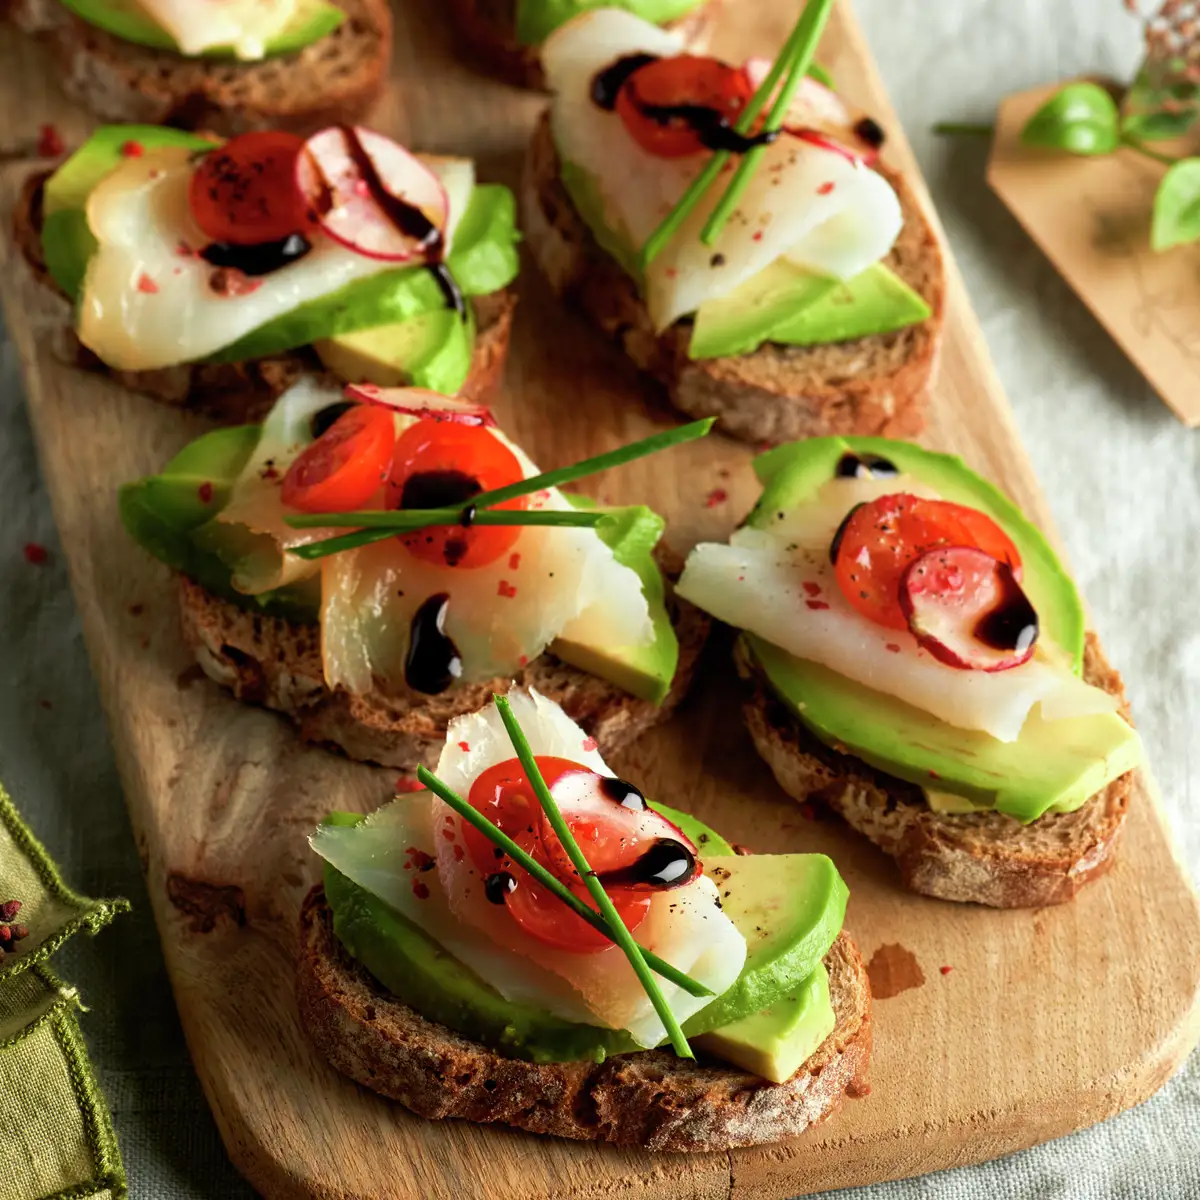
[(794, 59), (527, 863), (383, 527), (617, 928)]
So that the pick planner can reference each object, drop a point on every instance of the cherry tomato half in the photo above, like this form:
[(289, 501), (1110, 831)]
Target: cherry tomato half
[(245, 192), (879, 540), (503, 794), (346, 465), (438, 464), (650, 100)]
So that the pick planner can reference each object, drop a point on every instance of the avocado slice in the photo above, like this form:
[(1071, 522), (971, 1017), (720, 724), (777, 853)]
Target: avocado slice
[(1053, 765), (164, 513), (645, 670), (536, 20), (775, 1042), (125, 19), (789, 908), (431, 350)]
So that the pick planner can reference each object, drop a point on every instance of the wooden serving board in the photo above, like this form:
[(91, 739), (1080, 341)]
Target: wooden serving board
[(1046, 1021)]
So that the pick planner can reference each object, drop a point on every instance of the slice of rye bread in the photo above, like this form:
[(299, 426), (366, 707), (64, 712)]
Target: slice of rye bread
[(241, 391), (651, 1098), (277, 663), (874, 385), (335, 79), (488, 29), (985, 857)]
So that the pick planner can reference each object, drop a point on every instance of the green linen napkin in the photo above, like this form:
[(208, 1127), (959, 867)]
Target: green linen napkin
[(56, 1135)]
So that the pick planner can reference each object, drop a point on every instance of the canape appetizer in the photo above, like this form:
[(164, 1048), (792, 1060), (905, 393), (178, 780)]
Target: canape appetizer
[(229, 66), (918, 661), (375, 569), (508, 37), (532, 941), (797, 295), (213, 274)]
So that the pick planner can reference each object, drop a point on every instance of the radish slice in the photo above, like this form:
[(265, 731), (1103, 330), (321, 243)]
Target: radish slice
[(418, 402), (372, 196), (967, 609), (820, 116)]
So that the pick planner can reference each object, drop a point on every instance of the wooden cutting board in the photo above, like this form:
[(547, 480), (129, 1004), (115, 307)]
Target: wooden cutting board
[(994, 1030)]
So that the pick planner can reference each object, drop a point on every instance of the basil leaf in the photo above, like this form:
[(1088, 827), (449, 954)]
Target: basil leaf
[(1177, 206), (1159, 126), (1082, 119)]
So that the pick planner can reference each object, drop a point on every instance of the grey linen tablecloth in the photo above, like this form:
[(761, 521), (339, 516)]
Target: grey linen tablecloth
[(1123, 479)]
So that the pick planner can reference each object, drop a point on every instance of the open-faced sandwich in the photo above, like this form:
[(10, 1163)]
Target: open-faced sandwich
[(228, 65), (213, 274), (778, 277), (918, 661), (532, 941), (508, 36), (375, 569)]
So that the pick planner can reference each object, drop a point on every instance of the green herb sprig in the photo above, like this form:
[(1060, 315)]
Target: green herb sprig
[(617, 928), (545, 879), (793, 60), (382, 525)]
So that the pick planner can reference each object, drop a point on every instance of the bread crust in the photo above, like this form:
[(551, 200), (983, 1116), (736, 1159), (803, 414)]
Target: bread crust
[(277, 663), (984, 858), (650, 1099), (487, 28), (875, 386), (336, 79), (243, 391)]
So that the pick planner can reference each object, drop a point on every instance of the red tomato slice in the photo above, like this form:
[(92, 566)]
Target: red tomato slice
[(345, 466), (879, 540), (245, 192), (442, 463), (503, 794), (650, 100)]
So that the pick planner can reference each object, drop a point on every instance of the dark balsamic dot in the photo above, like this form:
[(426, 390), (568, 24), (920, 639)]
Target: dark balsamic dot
[(498, 886), (624, 794)]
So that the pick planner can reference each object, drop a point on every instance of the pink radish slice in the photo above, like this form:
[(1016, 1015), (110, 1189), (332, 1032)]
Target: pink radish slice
[(967, 609), (372, 196), (418, 402), (820, 116)]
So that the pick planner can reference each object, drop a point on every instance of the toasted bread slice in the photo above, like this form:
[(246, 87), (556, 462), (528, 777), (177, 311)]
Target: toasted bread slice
[(651, 1099), (875, 385), (244, 391), (335, 79), (488, 29), (985, 857), (277, 663)]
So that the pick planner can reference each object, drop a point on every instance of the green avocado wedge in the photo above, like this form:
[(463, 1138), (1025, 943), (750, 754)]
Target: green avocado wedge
[(646, 670), (538, 19), (125, 19), (789, 908), (1052, 766)]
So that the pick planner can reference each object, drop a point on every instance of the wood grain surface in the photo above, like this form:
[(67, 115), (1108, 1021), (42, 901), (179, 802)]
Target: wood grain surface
[(1047, 1021)]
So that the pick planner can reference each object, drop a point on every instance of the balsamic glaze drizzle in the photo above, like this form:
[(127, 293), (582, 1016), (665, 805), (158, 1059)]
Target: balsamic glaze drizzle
[(438, 489), (497, 887), (608, 83), (321, 421), (624, 794), (433, 662), (259, 259), (1013, 623), (667, 863), (864, 466)]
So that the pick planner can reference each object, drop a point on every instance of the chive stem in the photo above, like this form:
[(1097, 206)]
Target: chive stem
[(545, 879), (616, 926), (963, 129), (400, 519), (806, 35)]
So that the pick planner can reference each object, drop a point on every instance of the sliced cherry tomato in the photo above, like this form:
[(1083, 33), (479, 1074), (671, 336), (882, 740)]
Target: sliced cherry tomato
[(346, 465), (663, 103), (245, 191), (438, 464), (879, 540), (503, 794)]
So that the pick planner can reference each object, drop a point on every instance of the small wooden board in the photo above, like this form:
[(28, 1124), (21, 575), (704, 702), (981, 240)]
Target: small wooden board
[(1047, 1021), (1091, 217)]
